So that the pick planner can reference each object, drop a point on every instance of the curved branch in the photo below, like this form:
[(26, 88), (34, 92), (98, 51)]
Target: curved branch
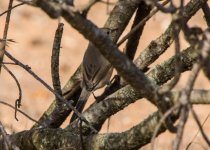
[(133, 138), (99, 112), (55, 59), (160, 45), (71, 91), (23, 113)]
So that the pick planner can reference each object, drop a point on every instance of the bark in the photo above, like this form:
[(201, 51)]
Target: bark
[(134, 138)]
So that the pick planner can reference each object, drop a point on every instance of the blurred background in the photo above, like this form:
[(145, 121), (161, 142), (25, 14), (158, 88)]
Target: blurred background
[(34, 32)]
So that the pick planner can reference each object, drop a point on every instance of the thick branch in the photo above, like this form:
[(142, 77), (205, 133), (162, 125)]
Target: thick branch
[(159, 46), (133, 41), (133, 138), (123, 65), (99, 112), (140, 134), (117, 22), (71, 91)]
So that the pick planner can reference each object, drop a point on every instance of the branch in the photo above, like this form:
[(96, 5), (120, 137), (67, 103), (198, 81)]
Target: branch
[(59, 97), (141, 16), (142, 133), (6, 28), (99, 112), (160, 45), (55, 59), (136, 77), (133, 138), (13, 7), (133, 41), (23, 113), (206, 11), (18, 101), (122, 64), (71, 91)]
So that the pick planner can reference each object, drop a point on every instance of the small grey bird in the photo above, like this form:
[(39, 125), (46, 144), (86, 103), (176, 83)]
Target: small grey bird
[(96, 73)]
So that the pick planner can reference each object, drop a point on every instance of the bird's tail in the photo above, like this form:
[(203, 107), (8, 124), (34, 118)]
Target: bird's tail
[(81, 103)]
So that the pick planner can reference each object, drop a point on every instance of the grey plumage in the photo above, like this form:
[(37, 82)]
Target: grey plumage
[(96, 72)]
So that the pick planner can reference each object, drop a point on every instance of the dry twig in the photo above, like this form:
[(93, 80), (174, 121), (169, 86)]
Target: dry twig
[(18, 101), (6, 28)]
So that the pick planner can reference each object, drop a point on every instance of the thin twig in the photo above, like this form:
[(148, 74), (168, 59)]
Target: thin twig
[(204, 56), (185, 97), (107, 2), (18, 101), (183, 119), (185, 102), (8, 63), (197, 132), (200, 127), (163, 118), (20, 4), (170, 9), (203, 147), (177, 19), (28, 69), (6, 28), (20, 111), (7, 40), (139, 25)]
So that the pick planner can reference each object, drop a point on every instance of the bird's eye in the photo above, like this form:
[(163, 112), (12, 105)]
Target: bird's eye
[(107, 32)]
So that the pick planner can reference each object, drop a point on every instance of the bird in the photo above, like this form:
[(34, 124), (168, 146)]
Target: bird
[(96, 73)]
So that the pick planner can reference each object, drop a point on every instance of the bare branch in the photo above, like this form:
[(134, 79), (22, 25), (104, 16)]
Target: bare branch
[(18, 101), (140, 24), (6, 28), (158, 126), (98, 113), (55, 59), (13, 7), (183, 119), (61, 99), (204, 45), (134, 36), (9, 105), (206, 11), (143, 133), (200, 128), (71, 91), (160, 45)]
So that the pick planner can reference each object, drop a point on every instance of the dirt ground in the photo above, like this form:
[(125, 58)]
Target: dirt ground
[(34, 31)]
